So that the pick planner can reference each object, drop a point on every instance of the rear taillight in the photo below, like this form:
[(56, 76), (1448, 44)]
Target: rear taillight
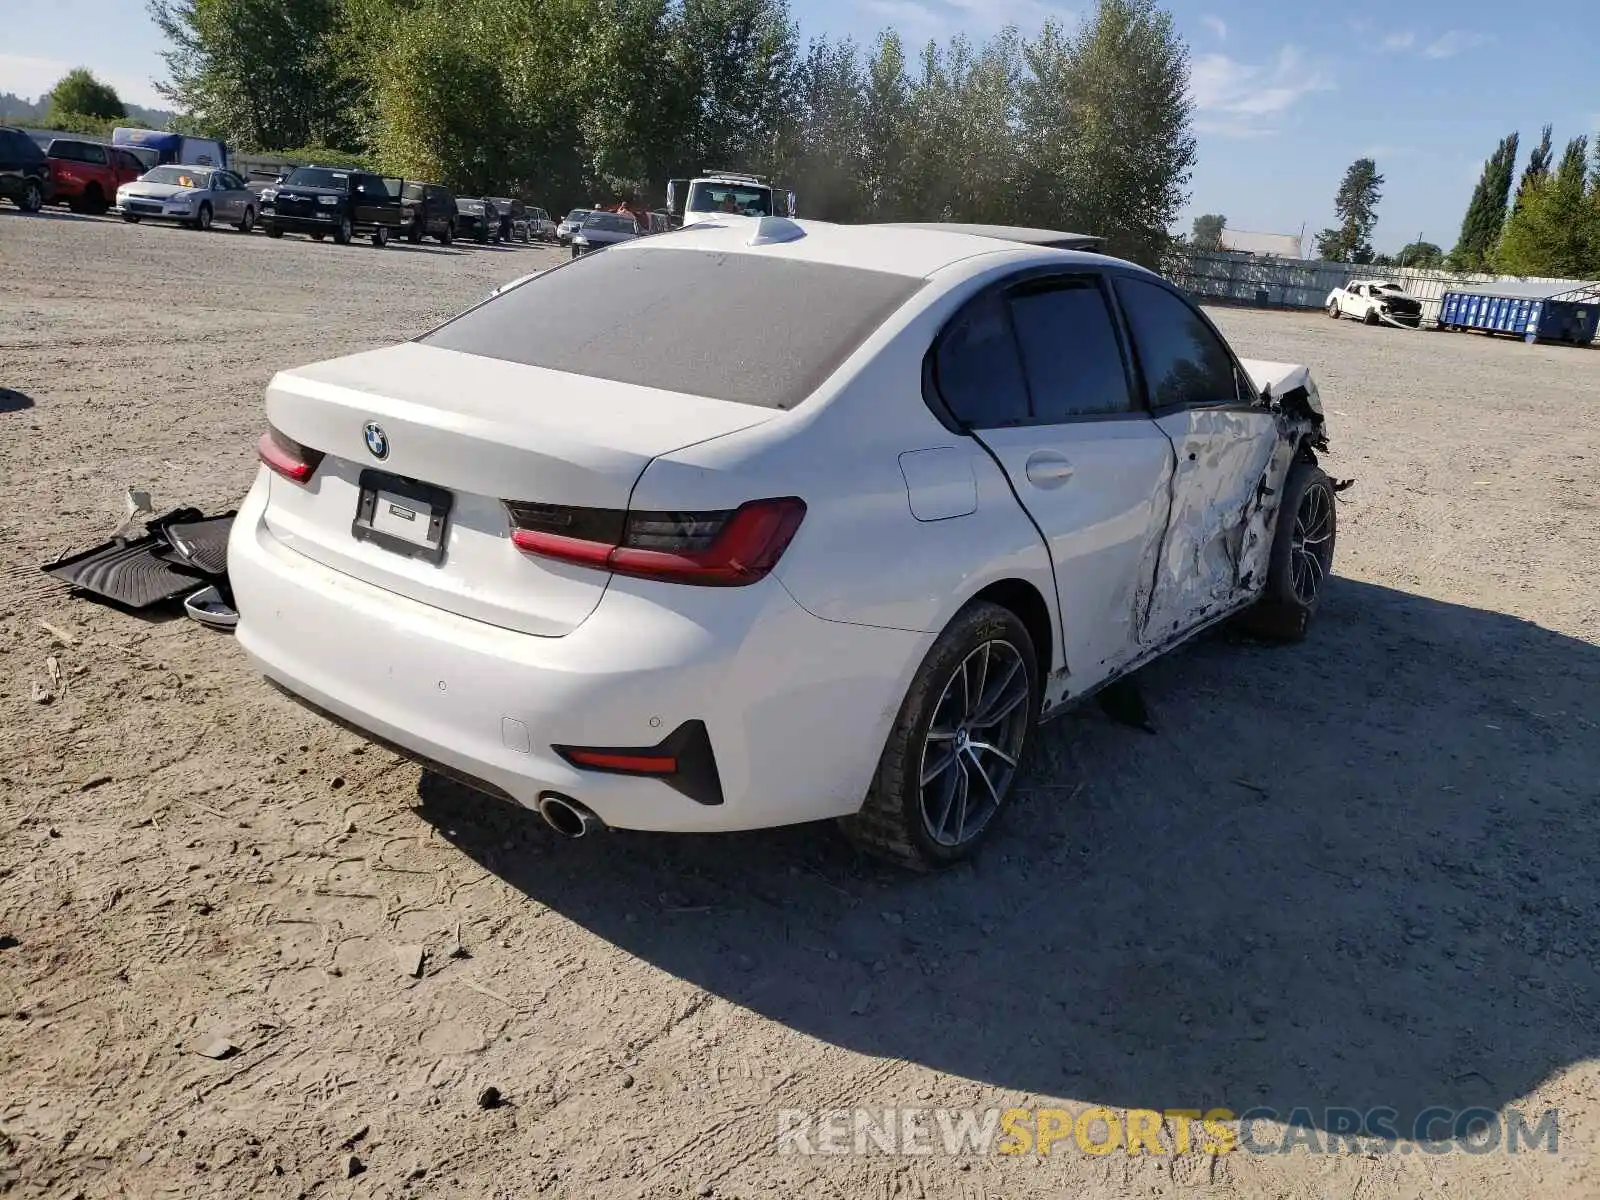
[(288, 457), (727, 548)]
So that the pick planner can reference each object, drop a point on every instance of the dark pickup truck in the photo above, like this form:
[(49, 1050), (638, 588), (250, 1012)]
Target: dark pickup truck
[(333, 202)]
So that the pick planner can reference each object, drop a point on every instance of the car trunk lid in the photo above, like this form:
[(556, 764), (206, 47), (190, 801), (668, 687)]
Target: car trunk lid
[(473, 432)]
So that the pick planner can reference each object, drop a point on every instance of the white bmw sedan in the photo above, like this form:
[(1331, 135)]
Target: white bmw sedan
[(770, 521)]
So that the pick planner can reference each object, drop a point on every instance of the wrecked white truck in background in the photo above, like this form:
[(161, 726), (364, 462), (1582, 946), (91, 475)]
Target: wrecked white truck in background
[(715, 578)]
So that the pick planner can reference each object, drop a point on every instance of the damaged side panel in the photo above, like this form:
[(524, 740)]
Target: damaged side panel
[(1228, 482)]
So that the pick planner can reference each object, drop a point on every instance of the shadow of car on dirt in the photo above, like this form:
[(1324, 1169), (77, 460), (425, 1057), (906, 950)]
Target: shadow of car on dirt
[(1355, 873), (12, 400)]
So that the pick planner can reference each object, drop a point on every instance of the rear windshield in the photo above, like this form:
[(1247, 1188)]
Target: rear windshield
[(613, 222), (740, 327), (319, 177)]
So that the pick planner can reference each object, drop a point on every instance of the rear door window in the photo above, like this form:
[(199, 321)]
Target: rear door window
[(1070, 352), (1185, 363), (976, 368)]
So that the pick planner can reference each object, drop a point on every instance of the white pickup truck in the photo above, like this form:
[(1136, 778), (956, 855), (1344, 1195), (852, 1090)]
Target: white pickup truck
[(723, 192)]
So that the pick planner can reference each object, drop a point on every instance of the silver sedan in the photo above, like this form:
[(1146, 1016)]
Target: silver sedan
[(192, 196)]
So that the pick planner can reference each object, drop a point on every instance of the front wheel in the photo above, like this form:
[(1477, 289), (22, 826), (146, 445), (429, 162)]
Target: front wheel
[(380, 236), (957, 744), (248, 221), (1333, 310), (130, 218), (1302, 556), (32, 199), (202, 220), (447, 235), (1371, 318), (344, 233), (273, 231)]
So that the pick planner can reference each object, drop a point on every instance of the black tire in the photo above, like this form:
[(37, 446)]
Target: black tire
[(1333, 310), (1302, 556), (482, 237), (414, 233), (32, 198), (248, 222), (342, 236), (94, 200), (897, 820), (1371, 317), (448, 236), (317, 235), (130, 218), (380, 236), (273, 231), (202, 219)]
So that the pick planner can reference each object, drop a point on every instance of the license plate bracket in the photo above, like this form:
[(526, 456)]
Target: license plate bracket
[(402, 515)]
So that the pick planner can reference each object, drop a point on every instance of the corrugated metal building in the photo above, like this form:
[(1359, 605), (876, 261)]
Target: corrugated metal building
[(1535, 312)]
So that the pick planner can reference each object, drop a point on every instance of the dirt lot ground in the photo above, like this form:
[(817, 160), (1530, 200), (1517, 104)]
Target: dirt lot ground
[(1360, 872)]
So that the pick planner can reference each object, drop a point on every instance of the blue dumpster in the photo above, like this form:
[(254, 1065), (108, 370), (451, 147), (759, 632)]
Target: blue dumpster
[(1535, 312)]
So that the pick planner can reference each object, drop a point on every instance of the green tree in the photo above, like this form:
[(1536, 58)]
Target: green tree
[(1106, 125), (1420, 254), (830, 132), (1486, 212), (265, 74), (79, 93), (1356, 206), (1208, 231), (1553, 232), (1538, 167)]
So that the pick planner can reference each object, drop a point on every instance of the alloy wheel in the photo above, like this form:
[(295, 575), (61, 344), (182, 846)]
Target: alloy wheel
[(1311, 544), (970, 752)]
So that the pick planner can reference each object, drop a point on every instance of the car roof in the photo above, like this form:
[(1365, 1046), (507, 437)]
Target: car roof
[(1055, 238), (915, 251)]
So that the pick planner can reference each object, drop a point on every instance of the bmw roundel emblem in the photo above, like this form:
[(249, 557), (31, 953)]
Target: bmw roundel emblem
[(377, 439)]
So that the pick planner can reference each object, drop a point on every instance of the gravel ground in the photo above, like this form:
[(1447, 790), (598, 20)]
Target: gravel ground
[(1359, 872)]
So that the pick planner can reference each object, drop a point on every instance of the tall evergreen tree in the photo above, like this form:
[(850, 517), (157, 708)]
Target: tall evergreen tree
[(1538, 167), (1486, 212), (1551, 234), (1356, 206)]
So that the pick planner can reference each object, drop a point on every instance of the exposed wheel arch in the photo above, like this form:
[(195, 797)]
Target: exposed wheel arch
[(1025, 600)]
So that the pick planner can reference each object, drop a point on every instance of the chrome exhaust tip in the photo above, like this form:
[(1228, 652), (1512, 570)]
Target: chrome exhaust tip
[(567, 817)]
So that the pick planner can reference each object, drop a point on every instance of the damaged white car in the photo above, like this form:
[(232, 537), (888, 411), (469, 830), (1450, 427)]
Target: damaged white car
[(1374, 302), (826, 543)]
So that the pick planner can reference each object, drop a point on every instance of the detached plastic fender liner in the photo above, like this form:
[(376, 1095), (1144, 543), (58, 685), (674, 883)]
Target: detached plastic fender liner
[(683, 760)]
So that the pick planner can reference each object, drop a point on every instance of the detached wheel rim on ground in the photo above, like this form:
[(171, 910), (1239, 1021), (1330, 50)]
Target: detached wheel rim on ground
[(1311, 543), (970, 752)]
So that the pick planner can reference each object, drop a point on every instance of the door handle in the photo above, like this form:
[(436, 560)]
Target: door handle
[(1047, 469)]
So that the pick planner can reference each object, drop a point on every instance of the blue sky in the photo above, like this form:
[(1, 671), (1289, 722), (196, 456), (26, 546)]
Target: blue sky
[(1288, 93)]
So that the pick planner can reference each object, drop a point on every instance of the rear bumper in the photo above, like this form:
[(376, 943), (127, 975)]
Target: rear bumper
[(797, 708)]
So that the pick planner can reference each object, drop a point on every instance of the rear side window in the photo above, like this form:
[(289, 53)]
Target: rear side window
[(746, 328), (976, 367), (1184, 362), (1069, 350)]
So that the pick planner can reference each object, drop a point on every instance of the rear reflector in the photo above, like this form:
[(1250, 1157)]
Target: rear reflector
[(683, 760), (726, 548), (288, 457)]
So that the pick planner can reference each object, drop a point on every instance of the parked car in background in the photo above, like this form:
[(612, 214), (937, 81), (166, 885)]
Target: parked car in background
[(192, 196), (86, 174), (429, 210), (1373, 301), (175, 148), (513, 219), (333, 202), (571, 224), (24, 170), (602, 229), (734, 580), (540, 227), (477, 218)]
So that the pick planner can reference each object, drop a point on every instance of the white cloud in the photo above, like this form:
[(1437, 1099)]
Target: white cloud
[(1453, 42), (1235, 99), (1398, 41), (1217, 26), (31, 78)]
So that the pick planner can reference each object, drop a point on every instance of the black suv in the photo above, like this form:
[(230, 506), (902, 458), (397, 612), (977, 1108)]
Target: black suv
[(478, 219), (24, 170), (429, 210), (333, 200)]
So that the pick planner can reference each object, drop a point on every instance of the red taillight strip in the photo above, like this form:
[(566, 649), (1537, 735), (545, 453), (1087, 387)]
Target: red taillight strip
[(744, 551), (287, 457), (640, 764)]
